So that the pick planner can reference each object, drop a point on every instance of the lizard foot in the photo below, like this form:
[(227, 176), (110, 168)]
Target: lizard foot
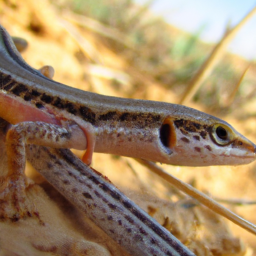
[(14, 199)]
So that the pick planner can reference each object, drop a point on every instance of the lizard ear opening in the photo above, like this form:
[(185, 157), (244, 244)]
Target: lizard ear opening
[(167, 133)]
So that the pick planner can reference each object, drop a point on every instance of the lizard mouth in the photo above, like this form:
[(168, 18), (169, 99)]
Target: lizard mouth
[(237, 156)]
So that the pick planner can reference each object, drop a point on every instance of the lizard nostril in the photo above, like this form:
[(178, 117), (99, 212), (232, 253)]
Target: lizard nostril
[(252, 147)]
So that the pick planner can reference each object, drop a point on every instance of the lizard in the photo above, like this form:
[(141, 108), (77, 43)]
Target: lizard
[(156, 131), (95, 196), (44, 112)]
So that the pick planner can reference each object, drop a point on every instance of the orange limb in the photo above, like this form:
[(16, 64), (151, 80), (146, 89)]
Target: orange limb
[(90, 137)]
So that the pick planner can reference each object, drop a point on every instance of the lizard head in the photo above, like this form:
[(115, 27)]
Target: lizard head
[(201, 142)]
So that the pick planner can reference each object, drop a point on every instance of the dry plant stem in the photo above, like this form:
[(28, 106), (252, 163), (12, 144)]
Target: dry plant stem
[(202, 198), (87, 48), (234, 92), (108, 73), (214, 57), (104, 204), (237, 202), (99, 28)]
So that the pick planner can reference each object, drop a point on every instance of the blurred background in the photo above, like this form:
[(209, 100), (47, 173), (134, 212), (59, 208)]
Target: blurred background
[(154, 50), (210, 19)]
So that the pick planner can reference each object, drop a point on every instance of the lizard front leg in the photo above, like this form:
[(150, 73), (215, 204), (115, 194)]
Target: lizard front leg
[(13, 188)]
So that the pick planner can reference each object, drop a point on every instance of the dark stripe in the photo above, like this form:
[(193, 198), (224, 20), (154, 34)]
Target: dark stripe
[(5, 79), (128, 204)]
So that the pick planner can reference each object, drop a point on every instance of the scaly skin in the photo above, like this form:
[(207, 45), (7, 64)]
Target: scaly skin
[(156, 131)]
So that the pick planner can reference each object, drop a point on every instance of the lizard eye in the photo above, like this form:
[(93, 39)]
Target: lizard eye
[(222, 134)]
